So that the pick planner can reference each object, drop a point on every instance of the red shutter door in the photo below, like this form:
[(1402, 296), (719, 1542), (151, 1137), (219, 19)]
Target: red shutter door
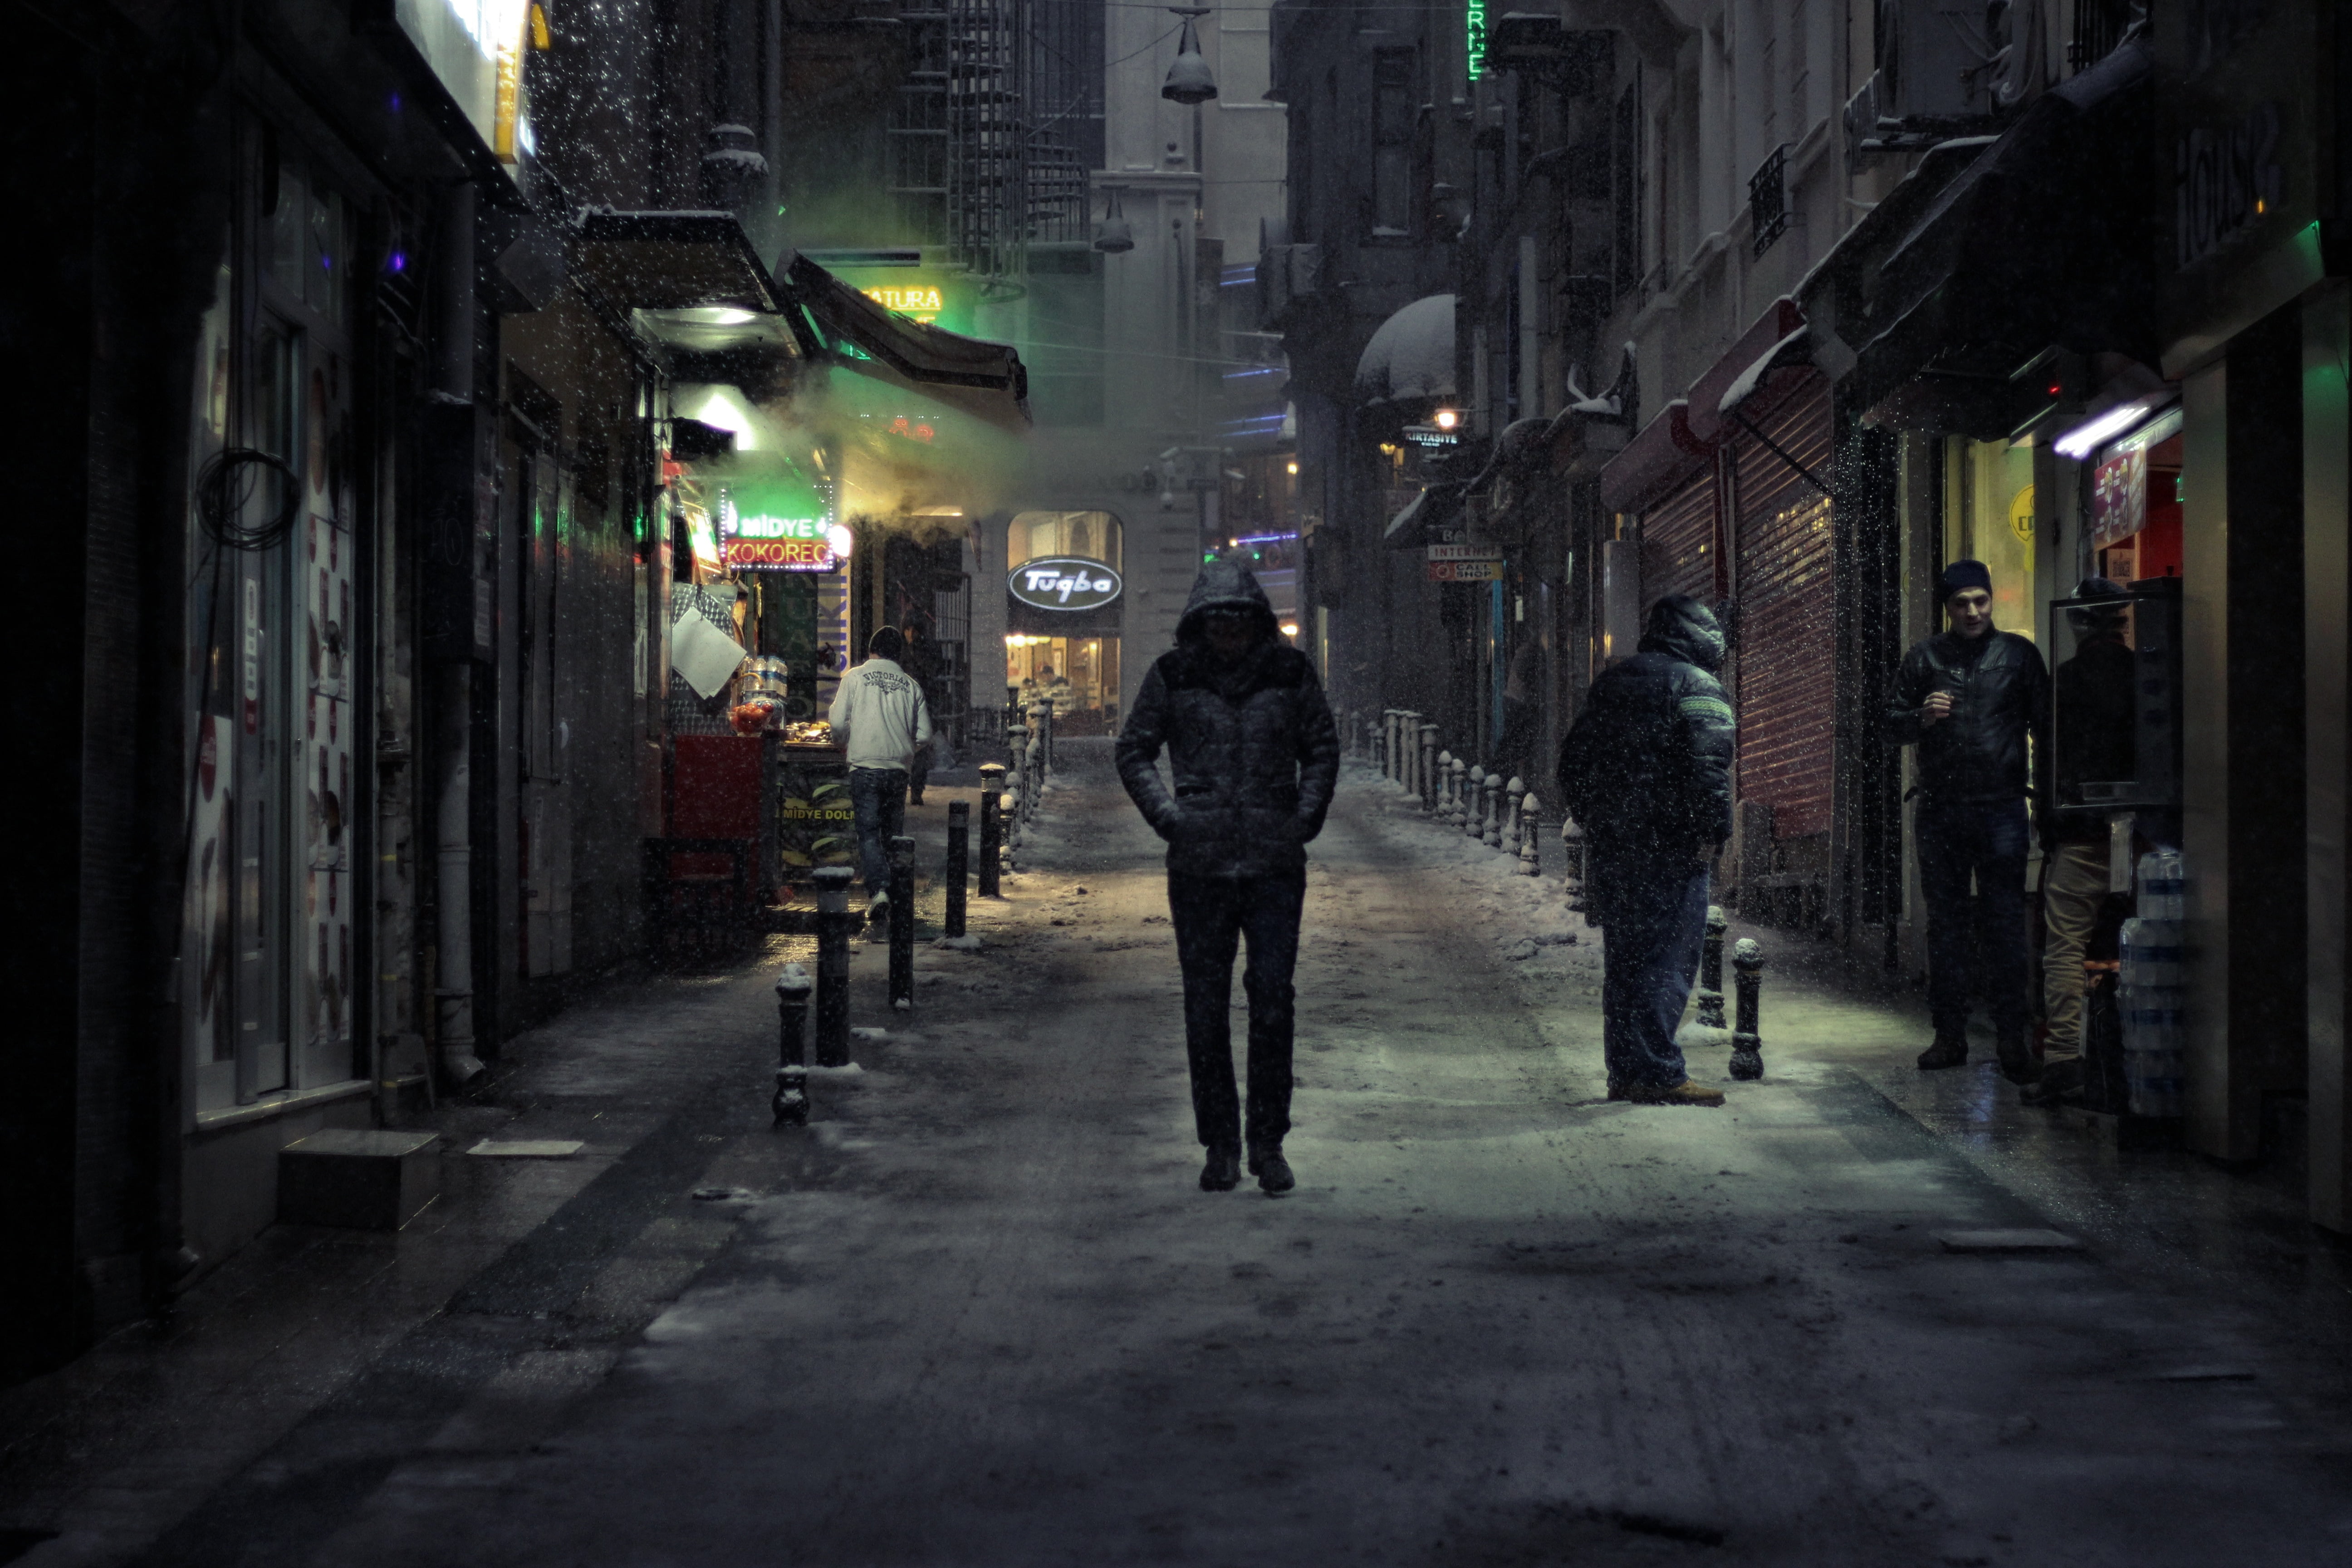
[(1678, 542), (1787, 672)]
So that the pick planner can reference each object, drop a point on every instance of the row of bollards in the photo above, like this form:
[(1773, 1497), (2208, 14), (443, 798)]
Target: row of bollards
[(836, 926), (1504, 815)]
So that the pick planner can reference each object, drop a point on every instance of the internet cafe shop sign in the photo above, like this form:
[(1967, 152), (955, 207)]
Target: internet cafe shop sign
[(1065, 583)]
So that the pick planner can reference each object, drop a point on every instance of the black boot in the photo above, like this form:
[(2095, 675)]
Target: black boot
[(1951, 1051), (1272, 1170), (1223, 1172), (2017, 1063)]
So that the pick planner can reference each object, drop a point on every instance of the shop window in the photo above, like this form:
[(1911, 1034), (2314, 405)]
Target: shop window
[(1094, 535), (1078, 675)]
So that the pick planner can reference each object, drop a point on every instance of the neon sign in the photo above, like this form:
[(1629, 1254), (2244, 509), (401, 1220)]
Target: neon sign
[(920, 300), (761, 542), (1474, 18), (1065, 583)]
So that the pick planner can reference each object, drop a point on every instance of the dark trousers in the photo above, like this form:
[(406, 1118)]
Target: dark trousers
[(1210, 915), (1654, 924), (878, 796), (1972, 875)]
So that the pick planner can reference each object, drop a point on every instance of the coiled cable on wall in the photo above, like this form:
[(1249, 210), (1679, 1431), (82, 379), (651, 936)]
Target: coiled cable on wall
[(225, 483)]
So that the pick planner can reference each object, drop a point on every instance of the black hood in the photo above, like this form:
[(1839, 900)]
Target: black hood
[(1681, 628), (1224, 585)]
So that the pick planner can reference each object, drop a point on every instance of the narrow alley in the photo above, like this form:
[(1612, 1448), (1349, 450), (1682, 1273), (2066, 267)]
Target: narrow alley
[(978, 1312)]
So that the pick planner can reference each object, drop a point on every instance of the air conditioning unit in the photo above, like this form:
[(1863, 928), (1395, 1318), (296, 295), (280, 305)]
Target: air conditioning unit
[(1286, 274)]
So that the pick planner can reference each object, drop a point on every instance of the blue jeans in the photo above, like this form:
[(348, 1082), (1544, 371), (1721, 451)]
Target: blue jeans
[(1211, 914), (1652, 928), (1972, 875), (879, 797)]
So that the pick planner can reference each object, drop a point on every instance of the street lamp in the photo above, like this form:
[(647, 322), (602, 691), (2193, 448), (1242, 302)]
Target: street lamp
[(1189, 81), (1112, 234)]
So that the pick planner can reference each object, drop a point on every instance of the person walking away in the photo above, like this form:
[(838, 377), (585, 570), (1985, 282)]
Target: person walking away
[(1971, 697), (1646, 768), (879, 718), (1255, 756), (2093, 742)]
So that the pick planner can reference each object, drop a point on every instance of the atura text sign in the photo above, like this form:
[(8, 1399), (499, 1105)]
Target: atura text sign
[(1065, 583)]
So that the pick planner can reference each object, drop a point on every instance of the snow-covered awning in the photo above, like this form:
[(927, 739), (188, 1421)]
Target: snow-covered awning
[(982, 378), (1410, 358), (1432, 509), (691, 279), (1792, 349)]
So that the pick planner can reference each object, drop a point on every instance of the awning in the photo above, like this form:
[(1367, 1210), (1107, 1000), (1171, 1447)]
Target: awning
[(1432, 509), (985, 379), (1410, 358), (1686, 432), (691, 279), (2044, 239)]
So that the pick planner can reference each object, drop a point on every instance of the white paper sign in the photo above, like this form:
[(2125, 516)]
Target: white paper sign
[(706, 656)]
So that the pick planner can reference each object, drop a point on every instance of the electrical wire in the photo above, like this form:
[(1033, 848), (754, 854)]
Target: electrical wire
[(226, 484)]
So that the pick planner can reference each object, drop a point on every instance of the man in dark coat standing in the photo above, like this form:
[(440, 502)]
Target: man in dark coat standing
[(1255, 757), (1647, 771), (1969, 698)]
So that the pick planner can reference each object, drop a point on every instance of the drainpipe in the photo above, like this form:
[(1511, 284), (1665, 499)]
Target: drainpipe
[(1531, 340), (453, 994)]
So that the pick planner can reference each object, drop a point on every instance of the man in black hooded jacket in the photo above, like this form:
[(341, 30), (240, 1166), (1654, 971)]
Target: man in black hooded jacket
[(1255, 757), (1646, 768)]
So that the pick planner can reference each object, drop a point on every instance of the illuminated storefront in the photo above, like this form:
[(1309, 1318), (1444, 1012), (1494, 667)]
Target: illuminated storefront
[(1065, 601)]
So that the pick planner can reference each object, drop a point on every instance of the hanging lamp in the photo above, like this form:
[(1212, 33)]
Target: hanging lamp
[(1189, 81)]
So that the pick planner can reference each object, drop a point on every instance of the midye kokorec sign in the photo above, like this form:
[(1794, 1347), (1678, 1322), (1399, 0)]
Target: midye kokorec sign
[(1065, 583)]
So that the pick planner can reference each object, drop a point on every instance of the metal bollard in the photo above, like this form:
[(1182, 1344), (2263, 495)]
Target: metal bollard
[(1492, 835), (1408, 753), (1474, 804), (1515, 795), (991, 827), (1456, 781), (833, 921), (959, 855), (1391, 760), (1710, 969), (1443, 807), (791, 1102), (1425, 747), (1746, 1046), (1531, 850), (902, 922), (1571, 841)]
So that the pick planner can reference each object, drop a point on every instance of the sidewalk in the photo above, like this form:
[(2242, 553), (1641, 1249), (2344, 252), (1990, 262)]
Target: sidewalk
[(2166, 1215)]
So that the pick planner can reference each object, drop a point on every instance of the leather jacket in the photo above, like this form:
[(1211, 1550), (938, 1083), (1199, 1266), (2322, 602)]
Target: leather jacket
[(1999, 698)]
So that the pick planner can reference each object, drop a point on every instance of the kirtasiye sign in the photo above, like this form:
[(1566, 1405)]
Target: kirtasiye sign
[(1065, 583)]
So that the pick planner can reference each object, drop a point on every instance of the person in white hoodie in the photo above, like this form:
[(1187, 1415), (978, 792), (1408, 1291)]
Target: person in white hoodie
[(880, 720)]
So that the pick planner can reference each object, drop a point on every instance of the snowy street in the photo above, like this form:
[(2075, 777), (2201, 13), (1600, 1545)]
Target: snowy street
[(979, 1313)]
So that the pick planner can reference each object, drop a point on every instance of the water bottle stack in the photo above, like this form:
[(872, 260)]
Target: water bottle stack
[(2152, 998)]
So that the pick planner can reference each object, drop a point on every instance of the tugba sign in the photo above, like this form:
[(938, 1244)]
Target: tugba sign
[(1064, 583)]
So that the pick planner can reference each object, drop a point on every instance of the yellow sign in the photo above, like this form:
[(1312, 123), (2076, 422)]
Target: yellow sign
[(920, 301), (2021, 515)]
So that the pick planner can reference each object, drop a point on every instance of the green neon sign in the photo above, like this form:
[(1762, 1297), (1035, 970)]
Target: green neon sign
[(1475, 23)]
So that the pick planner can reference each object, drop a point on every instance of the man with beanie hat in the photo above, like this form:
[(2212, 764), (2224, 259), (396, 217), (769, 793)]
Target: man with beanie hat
[(1647, 771), (1969, 698)]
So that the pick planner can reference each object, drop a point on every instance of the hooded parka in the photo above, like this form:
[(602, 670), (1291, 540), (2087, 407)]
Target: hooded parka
[(1646, 768), (1252, 746)]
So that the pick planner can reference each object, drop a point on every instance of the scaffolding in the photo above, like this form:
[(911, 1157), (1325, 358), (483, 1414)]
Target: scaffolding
[(997, 125)]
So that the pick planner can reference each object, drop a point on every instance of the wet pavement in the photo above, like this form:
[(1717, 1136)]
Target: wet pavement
[(978, 1312)]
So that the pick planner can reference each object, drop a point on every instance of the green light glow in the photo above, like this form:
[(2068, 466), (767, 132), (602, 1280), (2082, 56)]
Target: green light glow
[(1474, 18)]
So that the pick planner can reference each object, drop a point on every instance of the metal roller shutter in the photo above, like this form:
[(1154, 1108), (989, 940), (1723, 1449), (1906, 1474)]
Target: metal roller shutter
[(1787, 671), (1678, 540)]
